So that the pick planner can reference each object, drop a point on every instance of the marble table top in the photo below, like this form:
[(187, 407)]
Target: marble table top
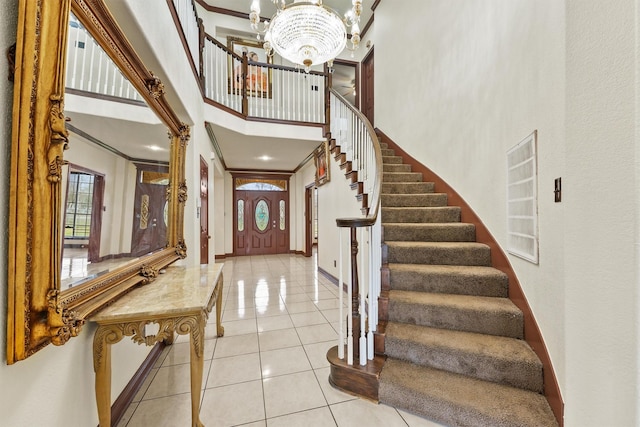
[(178, 291)]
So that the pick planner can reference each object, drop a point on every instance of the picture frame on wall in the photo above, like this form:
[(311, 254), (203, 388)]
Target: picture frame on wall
[(321, 159), (258, 79)]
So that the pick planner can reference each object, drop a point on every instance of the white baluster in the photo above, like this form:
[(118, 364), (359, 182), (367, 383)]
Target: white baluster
[(372, 296), (341, 297)]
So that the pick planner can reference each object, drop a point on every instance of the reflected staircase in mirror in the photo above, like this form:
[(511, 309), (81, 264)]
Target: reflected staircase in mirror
[(453, 340)]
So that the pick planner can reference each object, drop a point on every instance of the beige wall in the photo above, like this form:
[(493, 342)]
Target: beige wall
[(459, 83)]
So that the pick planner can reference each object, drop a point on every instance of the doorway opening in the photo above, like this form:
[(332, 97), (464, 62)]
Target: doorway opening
[(260, 214)]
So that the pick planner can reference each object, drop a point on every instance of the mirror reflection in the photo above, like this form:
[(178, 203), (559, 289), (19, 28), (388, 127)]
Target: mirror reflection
[(117, 167)]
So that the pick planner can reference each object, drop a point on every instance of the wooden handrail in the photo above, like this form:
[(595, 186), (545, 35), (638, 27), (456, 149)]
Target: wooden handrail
[(374, 207)]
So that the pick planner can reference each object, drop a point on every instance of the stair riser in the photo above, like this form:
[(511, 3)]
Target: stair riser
[(449, 283), (402, 177), (514, 373), (408, 188), (387, 152), (474, 255), (414, 200), (396, 168), (429, 233), (505, 324), (421, 215)]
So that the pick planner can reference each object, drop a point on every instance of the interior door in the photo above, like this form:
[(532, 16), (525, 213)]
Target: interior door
[(204, 212), (308, 220), (367, 86)]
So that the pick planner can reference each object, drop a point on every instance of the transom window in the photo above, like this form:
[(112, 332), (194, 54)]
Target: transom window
[(260, 184)]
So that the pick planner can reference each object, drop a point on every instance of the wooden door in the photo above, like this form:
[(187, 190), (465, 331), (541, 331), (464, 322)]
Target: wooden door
[(150, 210), (261, 222), (308, 221), (204, 212), (367, 87)]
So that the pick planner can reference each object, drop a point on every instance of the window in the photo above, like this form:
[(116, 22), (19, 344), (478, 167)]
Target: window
[(253, 184), (522, 200), (79, 204), (240, 215), (262, 215), (283, 219)]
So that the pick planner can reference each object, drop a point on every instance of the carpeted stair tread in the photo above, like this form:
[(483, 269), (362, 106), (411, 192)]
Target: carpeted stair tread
[(457, 400), (396, 168), (387, 151), (433, 232), (449, 279), (392, 160), (497, 359), (439, 253), (401, 177), (421, 214), (414, 200), (407, 187), (482, 315)]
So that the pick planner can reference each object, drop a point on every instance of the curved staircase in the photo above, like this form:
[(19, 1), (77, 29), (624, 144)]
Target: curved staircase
[(453, 339)]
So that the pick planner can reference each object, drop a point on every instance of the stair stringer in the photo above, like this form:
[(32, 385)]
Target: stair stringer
[(499, 260), (350, 175)]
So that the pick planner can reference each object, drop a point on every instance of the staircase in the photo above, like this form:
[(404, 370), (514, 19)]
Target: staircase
[(453, 340)]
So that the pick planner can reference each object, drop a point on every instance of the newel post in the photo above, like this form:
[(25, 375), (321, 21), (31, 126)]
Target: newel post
[(355, 297)]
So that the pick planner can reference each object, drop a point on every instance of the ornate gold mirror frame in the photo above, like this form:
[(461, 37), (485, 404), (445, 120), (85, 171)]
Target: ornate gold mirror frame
[(38, 311)]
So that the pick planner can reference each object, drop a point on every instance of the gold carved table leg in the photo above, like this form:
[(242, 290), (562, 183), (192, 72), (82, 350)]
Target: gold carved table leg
[(219, 327), (102, 340), (196, 340)]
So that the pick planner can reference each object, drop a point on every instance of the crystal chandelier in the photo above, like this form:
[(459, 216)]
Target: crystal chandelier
[(307, 32)]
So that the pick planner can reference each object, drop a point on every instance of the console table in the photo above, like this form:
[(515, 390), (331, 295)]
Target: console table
[(178, 301)]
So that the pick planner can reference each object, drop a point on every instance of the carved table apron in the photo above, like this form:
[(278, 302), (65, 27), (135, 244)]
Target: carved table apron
[(178, 301)]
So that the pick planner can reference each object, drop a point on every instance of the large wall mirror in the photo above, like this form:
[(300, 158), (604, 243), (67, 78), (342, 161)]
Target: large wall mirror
[(98, 190)]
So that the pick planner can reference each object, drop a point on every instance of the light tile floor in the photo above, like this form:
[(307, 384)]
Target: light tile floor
[(270, 368)]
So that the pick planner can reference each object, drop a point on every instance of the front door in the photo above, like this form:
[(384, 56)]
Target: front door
[(150, 210), (261, 222)]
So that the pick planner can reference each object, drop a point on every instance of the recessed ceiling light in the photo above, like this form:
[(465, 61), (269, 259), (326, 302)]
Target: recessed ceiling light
[(264, 158), (154, 148)]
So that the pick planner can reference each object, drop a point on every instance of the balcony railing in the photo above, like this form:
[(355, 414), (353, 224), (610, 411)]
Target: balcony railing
[(259, 90), (253, 90), (89, 68)]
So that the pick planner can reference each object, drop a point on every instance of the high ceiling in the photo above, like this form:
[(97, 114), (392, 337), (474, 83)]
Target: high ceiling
[(282, 154)]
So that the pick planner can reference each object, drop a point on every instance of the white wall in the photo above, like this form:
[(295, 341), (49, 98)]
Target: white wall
[(335, 200), (476, 78), (55, 386), (600, 278)]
